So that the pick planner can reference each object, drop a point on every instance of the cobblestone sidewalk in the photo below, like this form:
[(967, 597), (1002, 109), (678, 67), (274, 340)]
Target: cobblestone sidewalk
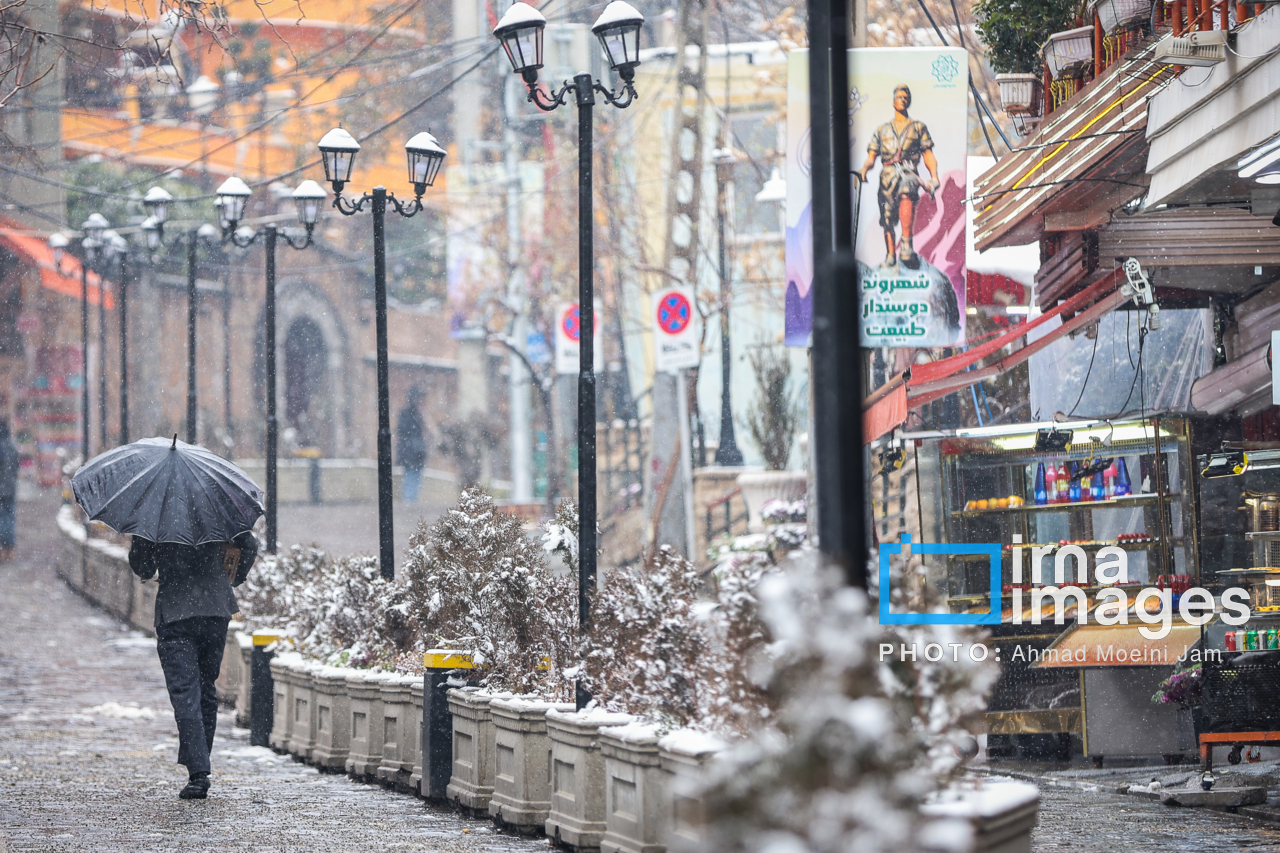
[(87, 748)]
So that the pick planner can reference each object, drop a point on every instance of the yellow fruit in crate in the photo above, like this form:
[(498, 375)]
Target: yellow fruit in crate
[(982, 504), (969, 505), (1003, 503)]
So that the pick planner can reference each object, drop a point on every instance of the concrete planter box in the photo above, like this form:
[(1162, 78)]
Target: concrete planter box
[(333, 719), (415, 775), (367, 728), (1001, 813), (232, 672), (244, 693), (760, 487), (522, 763), (282, 677), (398, 731), (683, 756), (471, 780), (302, 728), (636, 790), (577, 817)]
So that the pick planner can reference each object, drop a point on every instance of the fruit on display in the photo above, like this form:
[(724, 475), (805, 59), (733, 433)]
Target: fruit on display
[(1011, 502)]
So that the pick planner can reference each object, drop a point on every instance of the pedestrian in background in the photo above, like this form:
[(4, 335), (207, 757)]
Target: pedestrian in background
[(193, 606), (8, 493), (411, 444)]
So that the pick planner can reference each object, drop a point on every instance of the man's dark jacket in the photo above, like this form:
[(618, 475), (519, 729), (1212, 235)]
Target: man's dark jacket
[(192, 579)]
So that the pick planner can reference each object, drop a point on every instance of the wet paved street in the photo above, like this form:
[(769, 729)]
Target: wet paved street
[(1085, 822), (342, 529), (87, 748)]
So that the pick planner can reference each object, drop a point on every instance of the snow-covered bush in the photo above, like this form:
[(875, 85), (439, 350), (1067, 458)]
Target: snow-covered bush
[(648, 643), (857, 742), (337, 610), (475, 580), (663, 646), (276, 593), (361, 618)]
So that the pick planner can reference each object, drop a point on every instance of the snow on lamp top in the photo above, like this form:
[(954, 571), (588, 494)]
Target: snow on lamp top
[(618, 29), (338, 150), (308, 197), (425, 156), (233, 194), (520, 32)]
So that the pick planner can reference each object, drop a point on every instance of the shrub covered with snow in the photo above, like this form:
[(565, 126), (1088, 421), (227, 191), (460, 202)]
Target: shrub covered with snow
[(856, 743), (475, 580), (277, 592), (664, 646)]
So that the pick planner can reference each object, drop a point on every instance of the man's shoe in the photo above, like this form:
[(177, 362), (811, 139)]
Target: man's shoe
[(197, 788)]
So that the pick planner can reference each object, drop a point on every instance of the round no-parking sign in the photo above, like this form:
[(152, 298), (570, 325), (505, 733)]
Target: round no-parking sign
[(674, 313), (674, 330)]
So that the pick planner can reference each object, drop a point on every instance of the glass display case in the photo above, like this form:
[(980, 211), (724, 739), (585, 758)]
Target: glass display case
[(1127, 484)]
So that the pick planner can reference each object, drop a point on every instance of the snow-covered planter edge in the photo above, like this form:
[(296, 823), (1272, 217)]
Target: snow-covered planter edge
[(244, 695), (684, 756), (282, 687), (472, 773), (302, 726), (367, 724), (332, 740), (399, 730), (418, 723), (522, 771), (985, 815), (577, 816), (636, 790)]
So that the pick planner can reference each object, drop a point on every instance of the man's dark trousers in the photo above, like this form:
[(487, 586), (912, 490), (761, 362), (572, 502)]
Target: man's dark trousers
[(191, 657)]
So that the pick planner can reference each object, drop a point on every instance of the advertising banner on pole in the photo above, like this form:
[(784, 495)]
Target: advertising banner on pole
[(908, 115), (568, 334), (675, 334)]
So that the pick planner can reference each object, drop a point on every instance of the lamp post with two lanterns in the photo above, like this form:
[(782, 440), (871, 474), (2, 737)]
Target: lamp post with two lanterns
[(338, 150), (520, 32), (157, 202), (232, 196)]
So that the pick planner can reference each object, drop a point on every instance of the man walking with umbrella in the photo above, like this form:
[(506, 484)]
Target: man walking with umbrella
[(190, 513)]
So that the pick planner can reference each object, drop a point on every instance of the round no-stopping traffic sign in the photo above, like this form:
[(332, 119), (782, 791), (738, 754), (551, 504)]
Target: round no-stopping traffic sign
[(674, 313), (571, 323)]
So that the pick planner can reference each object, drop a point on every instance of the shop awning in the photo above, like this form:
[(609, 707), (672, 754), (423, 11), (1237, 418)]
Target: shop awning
[(1118, 645), (36, 252), (1086, 159), (1199, 131), (1242, 386), (887, 406)]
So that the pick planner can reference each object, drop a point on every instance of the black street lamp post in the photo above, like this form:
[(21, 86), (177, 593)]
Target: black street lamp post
[(338, 150), (157, 202), (618, 28), (93, 227), (727, 453)]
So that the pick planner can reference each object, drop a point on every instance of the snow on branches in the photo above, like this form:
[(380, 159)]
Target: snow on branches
[(477, 581), (857, 743)]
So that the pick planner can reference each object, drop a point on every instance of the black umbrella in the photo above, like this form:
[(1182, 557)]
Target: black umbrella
[(168, 491)]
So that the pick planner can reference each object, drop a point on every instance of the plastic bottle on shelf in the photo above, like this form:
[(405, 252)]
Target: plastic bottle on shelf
[(1073, 493), (1086, 488), (1098, 489), (1109, 478), (1040, 495), (1051, 484), (1064, 483), (1123, 486)]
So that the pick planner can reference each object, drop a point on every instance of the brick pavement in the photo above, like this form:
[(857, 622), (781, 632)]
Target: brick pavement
[(78, 773)]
